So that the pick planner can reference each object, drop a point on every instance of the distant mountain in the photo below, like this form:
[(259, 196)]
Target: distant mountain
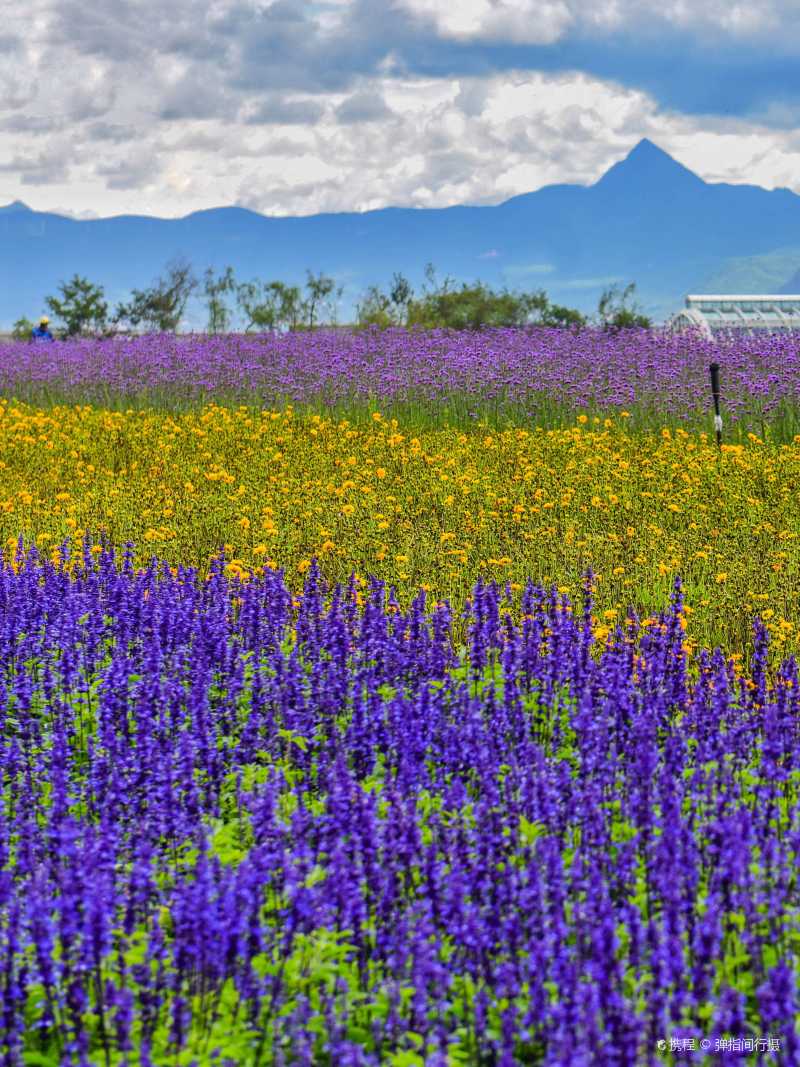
[(792, 287), (648, 165), (14, 206), (648, 219), (766, 273)]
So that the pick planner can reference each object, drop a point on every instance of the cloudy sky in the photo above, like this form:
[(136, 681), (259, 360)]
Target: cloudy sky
[(295, 107)]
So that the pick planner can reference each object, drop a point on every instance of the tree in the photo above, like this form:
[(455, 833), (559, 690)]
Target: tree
[(322, 293), (401, 292), (290, 305), (562, 317), (376, 309), (160, 308), (22, 329), (616, 310), (443, 306), (269, 305), (476, 306), (81, 307), (431, 285), (257, 305), (216, 289), (470, 307)]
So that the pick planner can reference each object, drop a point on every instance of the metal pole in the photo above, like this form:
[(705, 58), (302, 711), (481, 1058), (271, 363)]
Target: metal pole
[(714, 368)]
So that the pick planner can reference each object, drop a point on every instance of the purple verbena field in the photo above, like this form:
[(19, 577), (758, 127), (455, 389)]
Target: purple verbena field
[(538, 374)]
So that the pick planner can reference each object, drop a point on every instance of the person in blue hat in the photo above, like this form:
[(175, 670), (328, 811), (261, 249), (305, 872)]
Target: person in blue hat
[(41, 332)]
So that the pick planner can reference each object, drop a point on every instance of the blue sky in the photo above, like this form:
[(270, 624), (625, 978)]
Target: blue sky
[(292, 107)]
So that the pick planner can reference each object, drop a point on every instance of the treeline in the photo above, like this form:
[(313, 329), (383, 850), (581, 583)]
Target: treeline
[(80, 307)]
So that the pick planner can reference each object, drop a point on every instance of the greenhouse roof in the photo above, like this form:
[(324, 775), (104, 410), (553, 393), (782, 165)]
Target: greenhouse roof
[(716, 312)]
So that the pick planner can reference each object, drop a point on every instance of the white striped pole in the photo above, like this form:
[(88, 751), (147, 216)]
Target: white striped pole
[(714, 368)]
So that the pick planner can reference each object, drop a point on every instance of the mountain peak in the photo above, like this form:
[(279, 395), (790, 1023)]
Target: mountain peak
[(647, 148), (647, 164), (15, 205)]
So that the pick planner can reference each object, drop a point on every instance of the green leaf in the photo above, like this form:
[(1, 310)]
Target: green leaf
[(316, 875), (530, 831), (737, 919), (294, 739), (406, 1058)]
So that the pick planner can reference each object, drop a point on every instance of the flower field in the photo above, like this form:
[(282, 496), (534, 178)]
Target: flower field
[(399, 699), (300, 830), (433, 508), (540, 376)]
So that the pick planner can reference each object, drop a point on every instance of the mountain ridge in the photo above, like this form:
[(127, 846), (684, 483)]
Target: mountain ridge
[(647, 219)]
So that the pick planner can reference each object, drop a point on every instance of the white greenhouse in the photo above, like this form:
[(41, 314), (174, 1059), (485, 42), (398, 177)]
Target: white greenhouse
[(713, 313)]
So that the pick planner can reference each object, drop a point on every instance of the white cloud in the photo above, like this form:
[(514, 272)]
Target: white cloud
[(294, 108), (590, 283), (527, 270), (520, 21), (735, 18), (441, 141), (545, 21), (69, 213)]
